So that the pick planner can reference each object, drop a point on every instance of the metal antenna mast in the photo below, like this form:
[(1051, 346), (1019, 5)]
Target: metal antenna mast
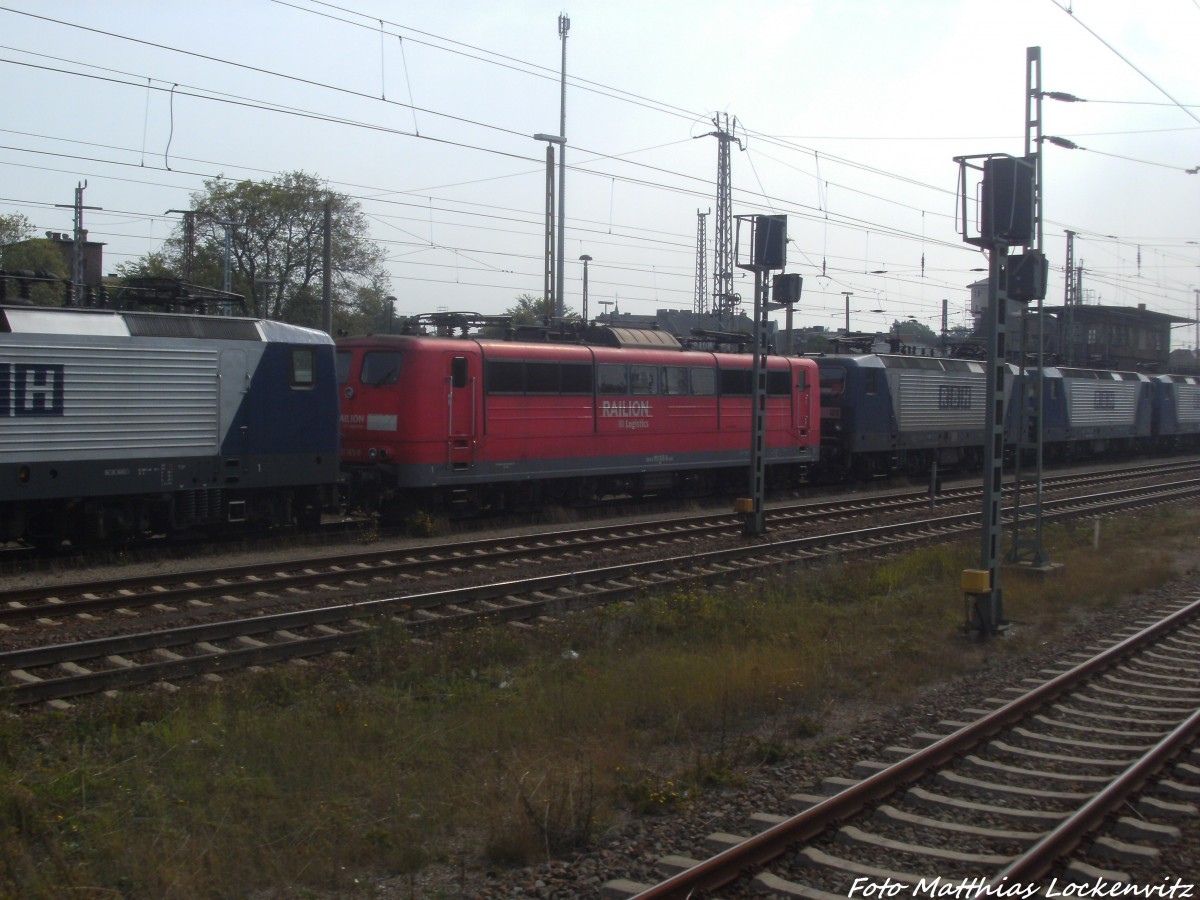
[(701, 302), (564, 26), (725, 302), (1030, 549), (78, 239)]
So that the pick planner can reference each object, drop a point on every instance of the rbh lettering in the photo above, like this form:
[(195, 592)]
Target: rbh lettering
[(31, 389), (951, 396)]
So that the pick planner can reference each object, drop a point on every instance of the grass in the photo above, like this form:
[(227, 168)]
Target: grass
[(501, 746)]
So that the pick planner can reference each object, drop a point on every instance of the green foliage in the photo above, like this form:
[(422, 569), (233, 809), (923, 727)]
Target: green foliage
[(41, 256), (911, 330), (277, 251), (531, 310), (13, 228)]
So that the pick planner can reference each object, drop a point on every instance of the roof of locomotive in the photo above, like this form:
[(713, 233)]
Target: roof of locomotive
[(653, 353), (1093, 374), (902, 361), (76, 321)]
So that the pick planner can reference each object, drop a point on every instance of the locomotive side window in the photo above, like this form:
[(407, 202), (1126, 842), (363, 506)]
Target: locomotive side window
[(458, 372), (612, 379), (344, 358), (505, 377), (872, 381), (303, 373), (541, 378), (576, 378), (736, 382), (779, 384), (674, 380), (704, 382), (801, 381), (643, 379), (380, 367)]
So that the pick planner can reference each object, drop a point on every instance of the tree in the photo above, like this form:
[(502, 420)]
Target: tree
[(156, 263), (277, 243), (911, 331), (531, 310), (14, 228), (20, 251)]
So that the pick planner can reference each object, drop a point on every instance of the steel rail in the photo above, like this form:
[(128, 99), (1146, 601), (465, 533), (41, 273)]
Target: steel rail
[(768, 845), (705, 566), (27, 604)]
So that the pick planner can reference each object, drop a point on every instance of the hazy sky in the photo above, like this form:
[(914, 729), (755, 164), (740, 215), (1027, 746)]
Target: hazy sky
[(850, 111)]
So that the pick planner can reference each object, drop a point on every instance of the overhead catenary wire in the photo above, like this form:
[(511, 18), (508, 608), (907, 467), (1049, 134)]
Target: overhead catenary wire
[(766, 198)]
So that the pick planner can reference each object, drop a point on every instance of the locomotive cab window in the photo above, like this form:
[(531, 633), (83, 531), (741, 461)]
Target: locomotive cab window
[(458, 372), (380, 367), (344, 358), (833, 382), (303, 374)]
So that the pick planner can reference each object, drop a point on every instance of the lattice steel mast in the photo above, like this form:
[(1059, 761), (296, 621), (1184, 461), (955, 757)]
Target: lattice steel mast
[(700, 306), (724, 300)]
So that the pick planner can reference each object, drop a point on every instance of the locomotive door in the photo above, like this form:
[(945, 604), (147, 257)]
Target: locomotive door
[(460, 412)]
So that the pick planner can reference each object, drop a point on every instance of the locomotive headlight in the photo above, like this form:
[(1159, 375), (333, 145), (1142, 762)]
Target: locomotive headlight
[(383, 453), (23, 475), (372, 453)]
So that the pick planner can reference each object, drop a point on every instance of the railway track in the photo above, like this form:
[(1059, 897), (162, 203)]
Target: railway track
[(253, 589), (169, 653), (1076, 779)]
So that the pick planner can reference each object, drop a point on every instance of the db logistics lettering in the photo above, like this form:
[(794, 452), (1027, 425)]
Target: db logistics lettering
[(31, 389)]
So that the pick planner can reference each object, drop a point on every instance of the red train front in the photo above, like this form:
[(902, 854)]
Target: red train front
[(439, 421)]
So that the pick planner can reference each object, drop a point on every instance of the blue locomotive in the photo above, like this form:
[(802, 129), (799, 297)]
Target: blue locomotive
[(888, 413), (1176, 415), (1091, 413), (115, 424)]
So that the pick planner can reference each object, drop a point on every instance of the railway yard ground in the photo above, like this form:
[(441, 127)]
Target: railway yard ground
[(544, 759)]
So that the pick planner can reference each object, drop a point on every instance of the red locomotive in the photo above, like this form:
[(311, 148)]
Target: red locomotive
[(441, 421)]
